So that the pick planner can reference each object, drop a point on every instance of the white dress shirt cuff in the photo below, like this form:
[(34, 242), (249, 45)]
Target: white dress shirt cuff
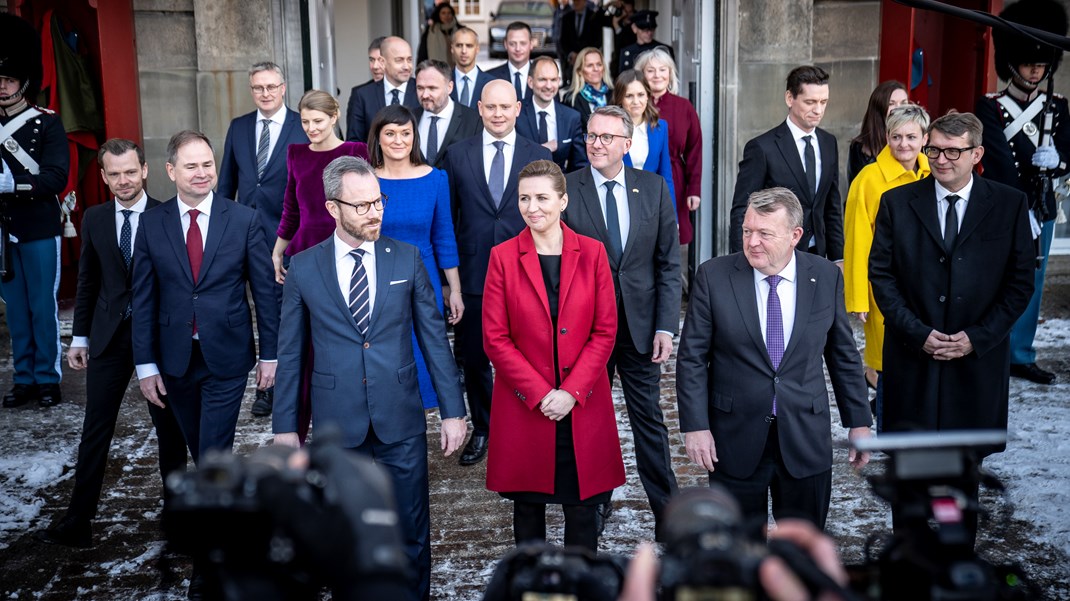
[(80, 342), (666, 332), (146, 370), (269, 360)]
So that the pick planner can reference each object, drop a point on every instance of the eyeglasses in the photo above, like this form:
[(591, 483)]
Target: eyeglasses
[(952, 154), (606, 139), (362, 208), (271, 89)]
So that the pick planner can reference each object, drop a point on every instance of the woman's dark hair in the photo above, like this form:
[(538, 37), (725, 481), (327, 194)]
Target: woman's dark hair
[(393, 114), (436, 15), (874, 136), (620, 89)]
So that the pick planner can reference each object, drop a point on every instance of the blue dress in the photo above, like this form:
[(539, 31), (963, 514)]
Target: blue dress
[(418, 212)]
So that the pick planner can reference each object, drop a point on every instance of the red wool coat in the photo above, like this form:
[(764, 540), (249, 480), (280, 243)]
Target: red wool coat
[(518, 337)]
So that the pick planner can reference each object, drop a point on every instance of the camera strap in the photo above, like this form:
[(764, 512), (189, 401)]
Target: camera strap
[(7, 135)]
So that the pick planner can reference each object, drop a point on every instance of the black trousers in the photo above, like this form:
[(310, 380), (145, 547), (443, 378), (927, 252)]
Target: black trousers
[(478, 378), (807, 498), (641, 381), (529, 524), (107, 379)]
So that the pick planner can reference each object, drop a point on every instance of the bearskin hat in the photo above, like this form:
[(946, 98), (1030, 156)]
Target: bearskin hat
[(1014, 49)]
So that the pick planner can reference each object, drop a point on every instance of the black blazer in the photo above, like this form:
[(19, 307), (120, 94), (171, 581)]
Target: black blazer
[(482, 79), (465, 123), (480, 225), (647, 278), (570, 39), (571, 153), (502, 72), (582, 107), (365, 101), (103, 279), (772, 159), (725, 381)]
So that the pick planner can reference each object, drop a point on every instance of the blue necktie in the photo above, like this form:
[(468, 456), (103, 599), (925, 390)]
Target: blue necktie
[(359, 296), (544, 134), (616, 245), (432, 141), (125, 244), (394, 100), (774, 327), (496, 183), (466, 93), (516, 84)]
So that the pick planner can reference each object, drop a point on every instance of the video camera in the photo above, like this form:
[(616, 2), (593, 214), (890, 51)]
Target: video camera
[(261, 528)]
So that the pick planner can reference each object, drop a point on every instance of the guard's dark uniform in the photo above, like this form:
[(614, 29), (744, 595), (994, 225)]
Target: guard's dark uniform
[(632, 52)]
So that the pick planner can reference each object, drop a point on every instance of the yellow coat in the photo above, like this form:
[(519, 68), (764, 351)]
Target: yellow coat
[(860, 216)]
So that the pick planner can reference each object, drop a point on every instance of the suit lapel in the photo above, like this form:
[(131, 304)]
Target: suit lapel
[(520, 160), (529, 260), (589, 200), (635, 211), (106, 226), (217, 225), (173, 232), (828, 143), (924, 206), (328, 269), (805, 286), (475, 164), (288, 124), (790, 152), (977, 209), (742, 281), (384, 271)]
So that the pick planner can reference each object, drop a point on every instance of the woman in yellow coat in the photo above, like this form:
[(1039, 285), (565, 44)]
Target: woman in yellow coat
[(900, 162)]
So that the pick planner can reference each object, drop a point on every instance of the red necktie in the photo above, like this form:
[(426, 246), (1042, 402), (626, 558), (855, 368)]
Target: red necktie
[(195, 251)]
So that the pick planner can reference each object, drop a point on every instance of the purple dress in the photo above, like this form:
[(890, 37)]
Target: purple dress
[(305, 220), (418, 212)]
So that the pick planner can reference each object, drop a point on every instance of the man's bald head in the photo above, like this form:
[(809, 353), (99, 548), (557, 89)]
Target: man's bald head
[(397, 60)]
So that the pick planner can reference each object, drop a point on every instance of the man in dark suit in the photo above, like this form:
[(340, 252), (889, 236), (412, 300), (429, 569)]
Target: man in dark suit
[(468, 78), (396, 87), (581, 27), (356, 298), (516, 69), (102, 333), (545, 120), (640, 233), (483, 177), (192, 326), (253, 170), (801, 157), (441, 121), (952, 269), (749, 384)]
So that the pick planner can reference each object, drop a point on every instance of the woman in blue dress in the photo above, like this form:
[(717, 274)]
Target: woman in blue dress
[(650, 138), (418, 212)]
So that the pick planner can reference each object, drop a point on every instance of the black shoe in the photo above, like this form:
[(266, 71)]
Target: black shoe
[(1030, 371), (475, 449), (19, 395), (196, 584), (70, 532), (605, 511), (50, 395), (263, 403)]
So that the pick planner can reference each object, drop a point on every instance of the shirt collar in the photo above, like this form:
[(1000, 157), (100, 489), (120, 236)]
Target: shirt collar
[(600, 180), (522, 70), (458, 75), (342, 248), (279, 116), (550, 110), (509, 139), (964, 193), (798, 133), (446, 113), (391, 87), (788, 273), (205, 207), (138, 207)]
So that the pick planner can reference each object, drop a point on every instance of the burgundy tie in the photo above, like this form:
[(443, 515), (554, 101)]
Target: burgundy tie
[(195, 251)]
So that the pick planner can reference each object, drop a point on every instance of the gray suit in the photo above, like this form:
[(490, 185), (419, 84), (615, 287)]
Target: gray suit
[(647, 281)]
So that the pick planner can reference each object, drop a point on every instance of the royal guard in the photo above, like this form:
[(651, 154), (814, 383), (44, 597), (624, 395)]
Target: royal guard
[(1027, 145), (33, 151)]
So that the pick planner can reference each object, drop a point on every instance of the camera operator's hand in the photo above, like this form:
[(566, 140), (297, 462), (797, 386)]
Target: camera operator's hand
[(454, 430), (287, 439), (858, 459), (779, 582), (701, 448)]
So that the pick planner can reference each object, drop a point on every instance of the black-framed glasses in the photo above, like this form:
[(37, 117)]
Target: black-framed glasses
[(271, 89), (606, 139), (952, 154), (362, 208)]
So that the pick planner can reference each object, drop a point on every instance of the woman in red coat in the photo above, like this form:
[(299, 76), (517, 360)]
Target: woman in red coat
[(549, 325)]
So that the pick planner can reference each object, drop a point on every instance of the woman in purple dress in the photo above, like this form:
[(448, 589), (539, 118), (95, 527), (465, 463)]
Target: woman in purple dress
[(305, 220), (418, 212)]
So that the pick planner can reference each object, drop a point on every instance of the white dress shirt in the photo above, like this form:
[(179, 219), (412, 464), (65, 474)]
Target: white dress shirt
[(275, 123), (800, 145), (620, 193), (458, 84), (551, 119), (344, 263), (785, 290), (389, 87), (960, 204), (489, 150), (424, 125), (640, 145)]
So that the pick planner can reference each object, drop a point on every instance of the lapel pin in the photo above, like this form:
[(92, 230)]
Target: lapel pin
[(388, 249), (813, 280), (635, 190)]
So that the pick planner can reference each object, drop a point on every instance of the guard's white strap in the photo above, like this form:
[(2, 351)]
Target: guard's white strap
[(1021, 117), (10, 144)]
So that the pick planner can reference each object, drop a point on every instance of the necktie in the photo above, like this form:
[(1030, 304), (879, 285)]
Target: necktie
[(616, 246), (774, 327), (432, 141), (359, 293), (519, 88), (262, 148), (125, 238), (394, 99), (544, 135), (497, 174), (195, 251), (811, 165), (951, 223), (466, 93)]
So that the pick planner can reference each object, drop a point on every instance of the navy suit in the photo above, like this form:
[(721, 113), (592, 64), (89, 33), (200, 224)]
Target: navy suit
[(502, 72), (367, 385), (482, 79), (237, 172), (368, 99), (464, 124), (205, 381), (480, 226), (571, 153)]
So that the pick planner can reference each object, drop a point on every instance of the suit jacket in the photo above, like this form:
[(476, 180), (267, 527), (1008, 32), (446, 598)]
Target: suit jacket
[(237, 171), (570, 39), (103, 279), (571, 153), (658, 159), (725, 381), (519, 337), (502, 72), (368, 99), (582, 107), (481, 80), (772, 159), (166, 299), (480, 225), (363, 381), (464, 124), (647, 277), (981, 287)]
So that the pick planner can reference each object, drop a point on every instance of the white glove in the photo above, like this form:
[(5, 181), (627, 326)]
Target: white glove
[(1046, 157), (7, 181)]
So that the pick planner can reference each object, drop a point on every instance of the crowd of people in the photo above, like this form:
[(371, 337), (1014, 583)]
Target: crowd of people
[(538, 209)]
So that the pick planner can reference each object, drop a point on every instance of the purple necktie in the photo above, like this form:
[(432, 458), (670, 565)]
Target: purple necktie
[(774, 327)]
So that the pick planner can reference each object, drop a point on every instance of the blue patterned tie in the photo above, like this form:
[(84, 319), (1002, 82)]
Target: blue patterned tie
[(359, 295), (774, 327), (125, 244), (262, 148), (394, 100), (466, 93), (496, 183)]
